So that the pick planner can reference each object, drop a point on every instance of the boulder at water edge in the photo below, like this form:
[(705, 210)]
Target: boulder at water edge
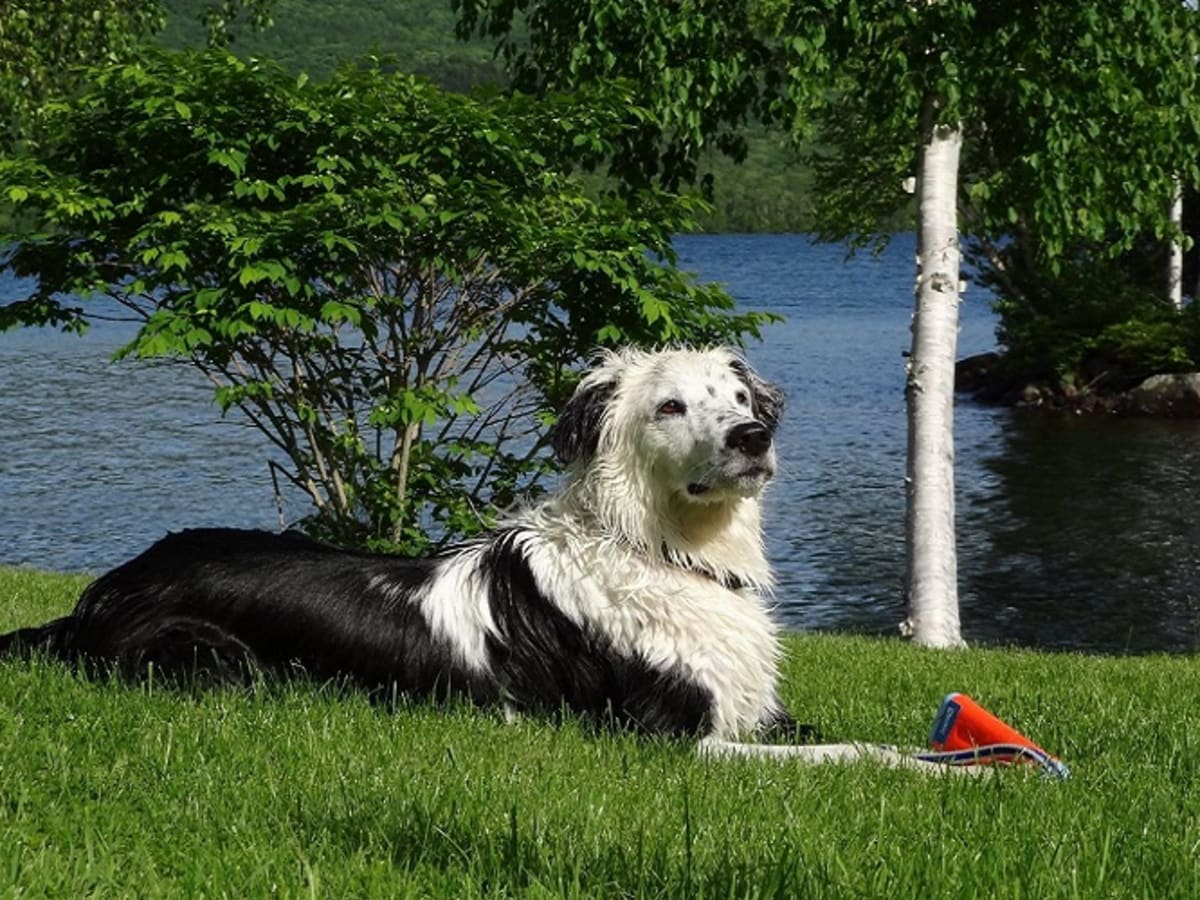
[(1172, 396)]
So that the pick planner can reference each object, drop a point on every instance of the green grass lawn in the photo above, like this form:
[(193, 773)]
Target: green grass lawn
[(112, 790)]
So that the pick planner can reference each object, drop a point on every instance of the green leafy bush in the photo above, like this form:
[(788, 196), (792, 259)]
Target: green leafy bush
[(1092, 324), (394, 284)]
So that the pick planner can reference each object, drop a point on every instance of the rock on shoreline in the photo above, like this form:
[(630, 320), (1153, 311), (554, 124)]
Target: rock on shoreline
[(987, 380)]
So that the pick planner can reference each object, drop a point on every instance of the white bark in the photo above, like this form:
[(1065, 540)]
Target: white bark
[(1175, 264), (932, 566)]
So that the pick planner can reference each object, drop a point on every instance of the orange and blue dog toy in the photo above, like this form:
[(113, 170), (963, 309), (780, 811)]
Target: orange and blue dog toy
[(966, 734)]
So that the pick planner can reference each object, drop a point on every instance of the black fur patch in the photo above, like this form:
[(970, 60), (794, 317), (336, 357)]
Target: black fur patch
[(576, 434), (767, 399), (222, 604)]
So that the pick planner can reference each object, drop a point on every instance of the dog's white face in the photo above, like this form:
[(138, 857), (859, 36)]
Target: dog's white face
[(702, 422), (701, 433)]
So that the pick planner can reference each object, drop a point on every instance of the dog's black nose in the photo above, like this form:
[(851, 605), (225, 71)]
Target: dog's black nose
[(752, 438)]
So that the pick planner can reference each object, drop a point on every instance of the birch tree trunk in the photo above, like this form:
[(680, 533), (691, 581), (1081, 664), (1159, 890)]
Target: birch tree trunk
[(1175, 264), (932, 565)]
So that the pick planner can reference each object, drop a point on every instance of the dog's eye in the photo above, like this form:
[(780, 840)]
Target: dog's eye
[(672, 408), (742, 397)]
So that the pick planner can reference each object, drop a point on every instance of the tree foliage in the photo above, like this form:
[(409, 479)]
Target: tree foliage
[(765, 192), (701, 67), (390, 282), (1076, 116), (44, 46)]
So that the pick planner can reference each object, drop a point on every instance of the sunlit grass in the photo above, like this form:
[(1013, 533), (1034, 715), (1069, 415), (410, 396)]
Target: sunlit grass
[(112, 790)]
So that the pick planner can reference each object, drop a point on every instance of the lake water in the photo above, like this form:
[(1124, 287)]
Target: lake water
[(1074, 532)]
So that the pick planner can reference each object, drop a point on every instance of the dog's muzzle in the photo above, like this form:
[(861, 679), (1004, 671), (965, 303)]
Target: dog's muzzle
[(745, 468), (751, 438)]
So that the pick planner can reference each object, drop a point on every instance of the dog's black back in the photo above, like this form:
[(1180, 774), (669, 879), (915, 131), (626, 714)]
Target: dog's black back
[(224, 604)]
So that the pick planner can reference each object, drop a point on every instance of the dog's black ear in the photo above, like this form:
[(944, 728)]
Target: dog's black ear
[(576, 434), (767, 398)]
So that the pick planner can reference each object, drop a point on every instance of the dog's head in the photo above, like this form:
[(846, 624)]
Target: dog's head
[(700, 423)]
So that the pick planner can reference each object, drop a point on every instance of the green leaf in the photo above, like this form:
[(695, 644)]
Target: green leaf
[(251, 274)]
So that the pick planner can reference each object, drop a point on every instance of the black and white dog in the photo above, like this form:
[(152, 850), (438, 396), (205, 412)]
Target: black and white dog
[(632, 596)]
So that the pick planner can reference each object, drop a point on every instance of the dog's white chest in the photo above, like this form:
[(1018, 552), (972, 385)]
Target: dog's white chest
[(678, 621), (722, 639)]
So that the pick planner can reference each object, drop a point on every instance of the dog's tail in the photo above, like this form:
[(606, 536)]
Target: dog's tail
[(51, 639)]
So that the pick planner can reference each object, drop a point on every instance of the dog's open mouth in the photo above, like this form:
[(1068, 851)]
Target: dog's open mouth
[(696, 489)]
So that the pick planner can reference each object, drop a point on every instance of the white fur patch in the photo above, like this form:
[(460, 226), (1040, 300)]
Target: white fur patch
[(455, 604)]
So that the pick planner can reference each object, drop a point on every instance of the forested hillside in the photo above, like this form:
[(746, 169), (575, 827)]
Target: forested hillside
[(766, 193), (315, 36)]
